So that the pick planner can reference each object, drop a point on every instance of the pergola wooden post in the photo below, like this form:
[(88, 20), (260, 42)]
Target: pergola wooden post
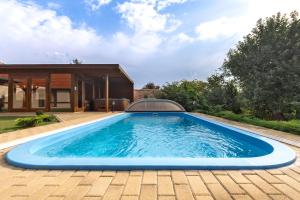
[(107, 93)]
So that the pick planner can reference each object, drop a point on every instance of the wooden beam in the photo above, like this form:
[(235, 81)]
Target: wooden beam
[(48, 93), (28, 94), (73, 93), (107, 93), (10, 93)]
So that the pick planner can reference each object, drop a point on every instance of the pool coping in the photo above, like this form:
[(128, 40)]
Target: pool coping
[(281, 156)]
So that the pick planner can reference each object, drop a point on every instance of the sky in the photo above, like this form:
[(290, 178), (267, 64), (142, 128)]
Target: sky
[(153, 40)]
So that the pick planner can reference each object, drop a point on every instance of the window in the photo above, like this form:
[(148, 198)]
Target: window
[(38, 93), (3, 92), (60, 85), (19, 93)]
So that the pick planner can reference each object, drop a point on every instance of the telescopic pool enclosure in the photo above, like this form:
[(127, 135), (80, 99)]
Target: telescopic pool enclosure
[(155, 105), (64, 87)]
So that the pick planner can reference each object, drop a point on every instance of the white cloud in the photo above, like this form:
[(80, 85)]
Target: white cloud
[(183, 38), (53, 5), (96, 4), (29, 32), (221, 27), (165, 3), (148, 23), (143, 16), (32, 34), (228, 26)]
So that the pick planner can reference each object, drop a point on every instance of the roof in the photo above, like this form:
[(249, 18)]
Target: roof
[(155, 105), (8, 67)]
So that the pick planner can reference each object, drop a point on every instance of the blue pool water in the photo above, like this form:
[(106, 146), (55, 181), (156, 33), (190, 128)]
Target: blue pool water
[(156, 135), (129, 141)]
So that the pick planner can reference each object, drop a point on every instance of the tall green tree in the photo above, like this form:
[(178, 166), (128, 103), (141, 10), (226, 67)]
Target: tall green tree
[(187, 93), (151, 85), (267, 65), (222, 94)]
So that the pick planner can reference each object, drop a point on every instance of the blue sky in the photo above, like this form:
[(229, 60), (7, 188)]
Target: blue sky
[(154, 40)]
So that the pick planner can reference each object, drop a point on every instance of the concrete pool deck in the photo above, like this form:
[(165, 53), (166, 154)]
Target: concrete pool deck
[(17, 183)]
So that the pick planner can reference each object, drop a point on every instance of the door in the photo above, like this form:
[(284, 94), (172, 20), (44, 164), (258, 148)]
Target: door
[(38, 93), (20, 93)]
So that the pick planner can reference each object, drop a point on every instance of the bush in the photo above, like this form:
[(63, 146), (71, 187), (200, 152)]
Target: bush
[(26, 122), (292, 126), (39, 112), (35, 121)]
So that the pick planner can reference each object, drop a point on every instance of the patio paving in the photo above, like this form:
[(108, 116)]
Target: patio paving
[(17, 183)]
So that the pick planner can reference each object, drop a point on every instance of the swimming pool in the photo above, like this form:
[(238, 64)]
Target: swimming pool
[(151, 141)]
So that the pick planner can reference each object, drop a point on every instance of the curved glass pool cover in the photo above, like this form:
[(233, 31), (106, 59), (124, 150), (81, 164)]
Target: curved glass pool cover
[(165, 140), (155, 105)]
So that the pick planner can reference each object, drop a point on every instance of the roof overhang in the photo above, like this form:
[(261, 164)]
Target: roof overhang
[(109, 68)]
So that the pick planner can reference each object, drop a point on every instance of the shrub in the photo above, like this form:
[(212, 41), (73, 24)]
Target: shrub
[(35, 121), (39, 112), (26, 122)]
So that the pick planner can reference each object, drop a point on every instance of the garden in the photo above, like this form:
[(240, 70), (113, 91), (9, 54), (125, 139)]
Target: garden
[(258, 83)]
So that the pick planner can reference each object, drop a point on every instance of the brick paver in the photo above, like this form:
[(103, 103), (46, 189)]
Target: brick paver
[(19, 184)]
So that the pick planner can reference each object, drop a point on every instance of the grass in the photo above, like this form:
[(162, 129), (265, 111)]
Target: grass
[(292, 126), (8, 124)]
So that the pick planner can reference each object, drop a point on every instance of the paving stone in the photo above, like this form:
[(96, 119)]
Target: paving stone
[(183, 192), (279, 197), (208, 177), (241, 197), (204, 198), (267, 176), (43, 193), (179, 177), (113, 192), (148, 192), (100, 186), (191, 173), (108, 173), (230, 185), (136, 173), (238, 177), (263, 185), (164, 173), (288, 191), (78, 192), (165, 185), (218, 191), (120, 178), (290, 181), (166, 198), (150, 177), (129, 198), (133, 185), (197, 185), (67, 187), (254, 192), (90, 178), (291, 173)]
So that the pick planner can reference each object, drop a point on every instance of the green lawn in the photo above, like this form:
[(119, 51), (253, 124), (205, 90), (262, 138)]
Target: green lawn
[(8, 124), (292, 126)]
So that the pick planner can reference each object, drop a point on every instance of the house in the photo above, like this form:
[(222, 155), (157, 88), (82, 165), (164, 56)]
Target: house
[(64, 87)]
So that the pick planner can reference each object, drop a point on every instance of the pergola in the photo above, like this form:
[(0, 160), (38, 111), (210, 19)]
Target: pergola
[(79, 87)]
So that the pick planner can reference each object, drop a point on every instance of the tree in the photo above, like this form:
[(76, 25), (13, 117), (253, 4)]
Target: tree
[(76, 61), (223, 94), (267, 65), (187, 93), (151, 85)]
